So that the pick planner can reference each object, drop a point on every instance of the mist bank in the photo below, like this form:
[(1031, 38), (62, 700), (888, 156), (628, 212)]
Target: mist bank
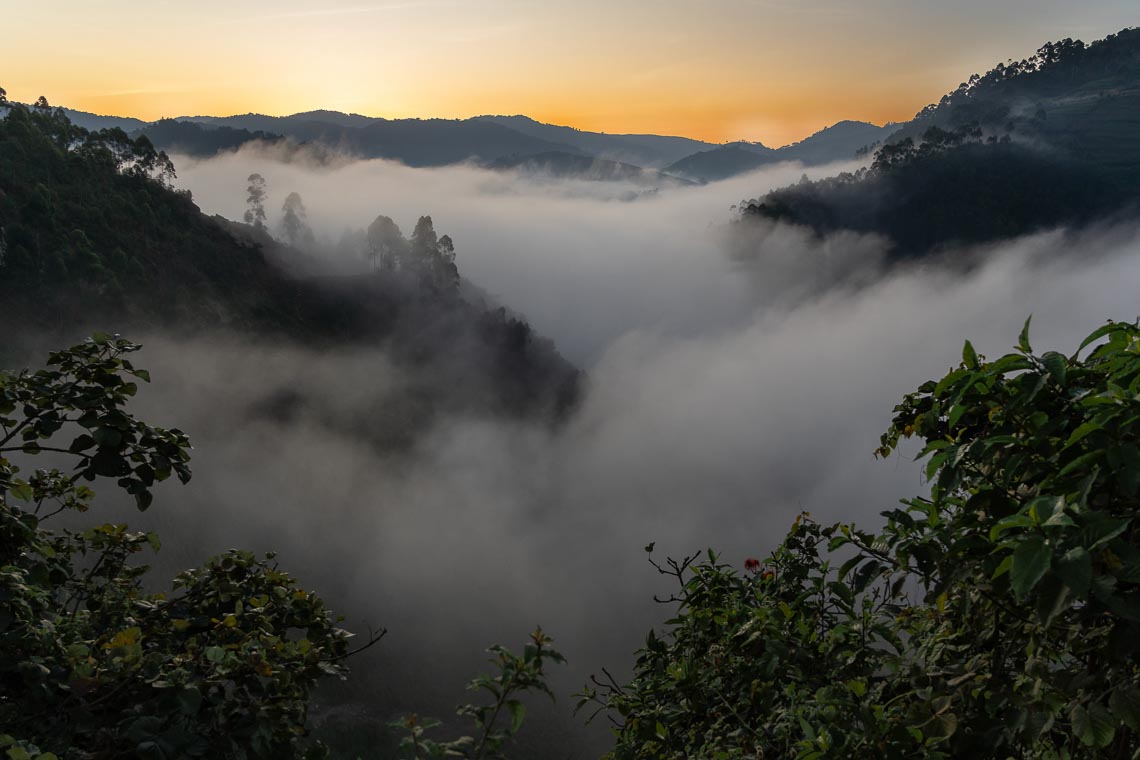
[(582, 264), (738, 374), (712, 438)]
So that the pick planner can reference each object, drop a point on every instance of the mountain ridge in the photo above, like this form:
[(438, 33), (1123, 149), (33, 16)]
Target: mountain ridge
[(490, 138)]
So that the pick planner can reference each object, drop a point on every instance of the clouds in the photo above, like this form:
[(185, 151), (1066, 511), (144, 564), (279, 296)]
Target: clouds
[(580, 263), (734, 381)]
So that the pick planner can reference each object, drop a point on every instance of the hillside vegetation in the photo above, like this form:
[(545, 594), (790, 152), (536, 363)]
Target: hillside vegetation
[(1052, 140), (92, 235)]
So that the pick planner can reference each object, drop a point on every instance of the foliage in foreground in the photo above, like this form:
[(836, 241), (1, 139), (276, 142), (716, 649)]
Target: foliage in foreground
[(517, 675), (997, 617), (91, 663)]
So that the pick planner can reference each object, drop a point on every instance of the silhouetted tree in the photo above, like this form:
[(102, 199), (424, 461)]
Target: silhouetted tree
[(433, 257), (255, 199), (386, 244), (449, 273), (294, 221), (424, 240)]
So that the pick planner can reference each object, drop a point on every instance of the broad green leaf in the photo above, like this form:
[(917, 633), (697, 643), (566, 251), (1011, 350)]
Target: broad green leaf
[(1003, 567), (1075, 569), (1009, 363), (1030, 561), (107, 437), (1023, 337), (1043, 508), (969, 356), (1094, 726), (518, 712), (1125, 705), (1098, 333), (1013, 521), (1057, 366), (1098, 529), (1082, 431)]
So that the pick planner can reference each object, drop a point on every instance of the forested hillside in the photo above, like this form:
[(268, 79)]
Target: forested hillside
[(1052, 140), (192, 139), (93, 236)]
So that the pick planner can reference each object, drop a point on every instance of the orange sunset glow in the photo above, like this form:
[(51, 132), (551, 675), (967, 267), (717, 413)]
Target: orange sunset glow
[(720, 70)]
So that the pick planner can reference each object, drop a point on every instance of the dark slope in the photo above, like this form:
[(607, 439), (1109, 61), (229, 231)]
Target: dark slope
[(971, 194), (558, 165), (94, 238), (652, 151), (1080, 100), (838, 142), (1053, 140)]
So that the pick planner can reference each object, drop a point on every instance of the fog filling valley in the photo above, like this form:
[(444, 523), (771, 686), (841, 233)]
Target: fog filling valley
[(735, 378)]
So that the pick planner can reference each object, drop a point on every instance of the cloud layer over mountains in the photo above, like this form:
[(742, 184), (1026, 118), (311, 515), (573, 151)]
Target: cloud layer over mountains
[(735, 378)]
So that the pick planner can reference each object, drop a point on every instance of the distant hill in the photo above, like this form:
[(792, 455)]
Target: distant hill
[(415, 142), (838, 142), (335, 117), (1050, 141), (95, 122), (650, 151), (193, 139), (719, 163), (488, 139), (758, 148), (560, 165)]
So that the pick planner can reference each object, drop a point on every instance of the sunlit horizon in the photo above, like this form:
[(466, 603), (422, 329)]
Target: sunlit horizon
[(758, 70)]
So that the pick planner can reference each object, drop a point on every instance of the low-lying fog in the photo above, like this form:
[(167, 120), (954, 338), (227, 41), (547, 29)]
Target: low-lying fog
[(732, 383)]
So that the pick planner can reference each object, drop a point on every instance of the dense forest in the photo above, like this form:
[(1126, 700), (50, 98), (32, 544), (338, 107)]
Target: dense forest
[(1048, 141)]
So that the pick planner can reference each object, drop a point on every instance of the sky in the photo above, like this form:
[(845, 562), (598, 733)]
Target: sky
[(768, 70)]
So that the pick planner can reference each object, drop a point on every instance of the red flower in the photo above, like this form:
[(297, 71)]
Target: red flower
[(751, 565), (767, 575)]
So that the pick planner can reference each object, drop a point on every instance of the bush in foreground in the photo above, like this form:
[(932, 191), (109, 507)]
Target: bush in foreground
[(91, 663), (999, 616)]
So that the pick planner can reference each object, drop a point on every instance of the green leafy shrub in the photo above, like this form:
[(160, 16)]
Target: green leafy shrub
[(92, 664), (517, 675), (997, 617)]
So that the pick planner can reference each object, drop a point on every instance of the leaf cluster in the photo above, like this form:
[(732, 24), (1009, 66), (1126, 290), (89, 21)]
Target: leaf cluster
[(515, 676)]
